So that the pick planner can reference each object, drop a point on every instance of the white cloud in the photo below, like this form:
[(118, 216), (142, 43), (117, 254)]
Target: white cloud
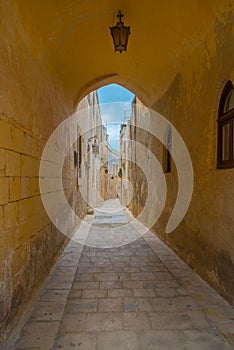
[(115, 112)]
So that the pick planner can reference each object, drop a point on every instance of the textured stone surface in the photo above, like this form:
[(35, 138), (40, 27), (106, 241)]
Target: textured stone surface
[(132, 316), (39, 335)]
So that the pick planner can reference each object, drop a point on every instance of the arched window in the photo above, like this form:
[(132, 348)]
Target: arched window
[(226, 128)]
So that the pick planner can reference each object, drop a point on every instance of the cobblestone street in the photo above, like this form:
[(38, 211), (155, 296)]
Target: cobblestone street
[(136, 296)]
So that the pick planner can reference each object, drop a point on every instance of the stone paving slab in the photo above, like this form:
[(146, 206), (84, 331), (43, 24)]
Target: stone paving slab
[(138, 296), (81, 341), (39, 335)]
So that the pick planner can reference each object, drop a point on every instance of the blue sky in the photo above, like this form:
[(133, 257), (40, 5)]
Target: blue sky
[(115, 104)]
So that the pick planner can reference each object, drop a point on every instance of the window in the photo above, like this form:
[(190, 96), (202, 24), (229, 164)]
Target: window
[(226, 128)]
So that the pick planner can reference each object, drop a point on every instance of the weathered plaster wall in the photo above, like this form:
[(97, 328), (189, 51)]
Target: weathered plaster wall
[(205, 238), (31, 107), (111, 186), (90, 171)]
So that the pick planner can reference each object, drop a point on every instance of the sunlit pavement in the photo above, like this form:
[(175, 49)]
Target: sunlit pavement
[(140, 295)]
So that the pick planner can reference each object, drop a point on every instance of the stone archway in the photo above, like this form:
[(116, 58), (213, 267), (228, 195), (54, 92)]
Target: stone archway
[(114, 78)]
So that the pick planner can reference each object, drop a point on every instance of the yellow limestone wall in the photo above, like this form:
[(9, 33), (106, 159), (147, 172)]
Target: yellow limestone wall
[(30, 108)]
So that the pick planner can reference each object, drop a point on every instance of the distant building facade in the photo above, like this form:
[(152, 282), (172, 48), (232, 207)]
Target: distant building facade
[(91, 151)]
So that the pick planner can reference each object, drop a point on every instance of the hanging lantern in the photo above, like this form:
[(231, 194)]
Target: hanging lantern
[(120, 34)]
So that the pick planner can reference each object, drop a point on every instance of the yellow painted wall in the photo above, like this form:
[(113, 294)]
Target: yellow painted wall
[(31, 106)]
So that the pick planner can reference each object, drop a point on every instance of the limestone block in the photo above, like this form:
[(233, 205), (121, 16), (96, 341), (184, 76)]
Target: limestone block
[(15, 188), (28, 141), (13, 163), (18, 140), (36, 166), (2, 162), (5, 132), (28, 166), (34, 186), (4, 190), (37, 203), (24, 187), (25, 209), (10, 214), (36, 147)]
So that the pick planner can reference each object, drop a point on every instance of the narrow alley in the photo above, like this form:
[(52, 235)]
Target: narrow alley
[(117, 175), (134, 294)]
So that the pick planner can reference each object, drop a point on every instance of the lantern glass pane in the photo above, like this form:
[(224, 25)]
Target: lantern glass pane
[(116, 37), (123, 36)]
